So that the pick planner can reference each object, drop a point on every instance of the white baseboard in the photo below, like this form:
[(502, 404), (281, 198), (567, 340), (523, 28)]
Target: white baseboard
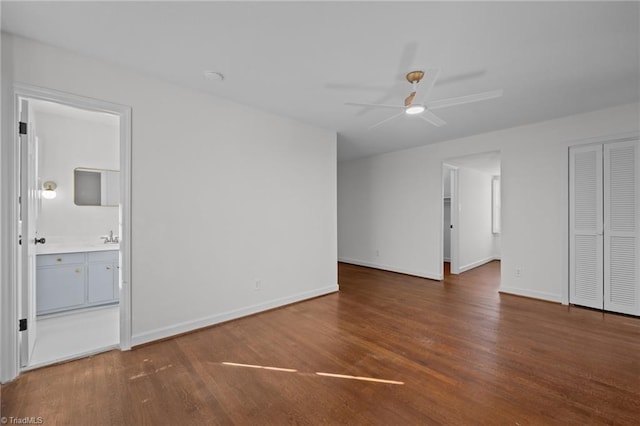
[(476, 264), (163, 333), (421, 274), (550, 297)]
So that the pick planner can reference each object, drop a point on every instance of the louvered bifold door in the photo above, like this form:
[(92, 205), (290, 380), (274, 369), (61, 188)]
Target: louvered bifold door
[(621, 227), (586, 226)]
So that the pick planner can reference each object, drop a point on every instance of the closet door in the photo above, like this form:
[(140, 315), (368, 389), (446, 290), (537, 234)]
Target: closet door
[(586, 226), (621, 227)]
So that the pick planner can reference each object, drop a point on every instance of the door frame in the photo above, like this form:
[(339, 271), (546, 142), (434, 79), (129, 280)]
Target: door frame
[(9, 337), (454, 242), (597, 140), (455, 223), (576, 143)]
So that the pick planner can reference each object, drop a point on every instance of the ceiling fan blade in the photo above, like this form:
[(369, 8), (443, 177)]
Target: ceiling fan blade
[(430, 117), (386, 119), (444, 103), (406, 58), (426, 85), (374, 105)]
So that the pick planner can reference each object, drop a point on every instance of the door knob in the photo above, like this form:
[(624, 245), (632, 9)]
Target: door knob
[(40, 240)]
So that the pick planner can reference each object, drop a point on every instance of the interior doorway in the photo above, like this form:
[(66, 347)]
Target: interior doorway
[(449, 222), (73, 225), (470, 211)]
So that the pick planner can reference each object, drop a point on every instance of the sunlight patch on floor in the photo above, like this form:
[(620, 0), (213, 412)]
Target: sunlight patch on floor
[(368, 379), (235, 364), (339, 376)]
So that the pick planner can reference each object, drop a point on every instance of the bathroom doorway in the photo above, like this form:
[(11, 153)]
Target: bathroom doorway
[(73, 220)]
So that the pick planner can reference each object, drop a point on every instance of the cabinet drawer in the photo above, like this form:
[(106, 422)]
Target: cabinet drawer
[(59, 259), (103, 256)]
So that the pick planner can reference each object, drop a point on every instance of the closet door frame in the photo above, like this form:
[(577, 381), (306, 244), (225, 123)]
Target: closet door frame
[(567, 298)]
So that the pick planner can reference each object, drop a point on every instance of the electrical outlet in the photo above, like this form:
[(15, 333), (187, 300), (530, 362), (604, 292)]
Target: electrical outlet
[(518, 272), (258, 285)]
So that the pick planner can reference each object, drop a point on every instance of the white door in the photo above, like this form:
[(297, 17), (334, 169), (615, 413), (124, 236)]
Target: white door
[(621, 230), (29, 197), (586, 226)]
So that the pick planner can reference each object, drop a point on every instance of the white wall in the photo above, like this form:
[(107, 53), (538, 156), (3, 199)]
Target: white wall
[(64, 144), (392, 202), (222, 194), (383, 212), (497, 241), (446, 213), (476, 241), (446, 230)]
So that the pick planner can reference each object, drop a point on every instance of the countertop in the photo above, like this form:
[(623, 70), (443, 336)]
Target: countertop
[(71, 247)]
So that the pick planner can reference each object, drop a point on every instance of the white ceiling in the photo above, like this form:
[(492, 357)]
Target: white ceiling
[(305, 59)]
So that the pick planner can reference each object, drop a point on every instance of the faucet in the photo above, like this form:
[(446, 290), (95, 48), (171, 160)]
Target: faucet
[(110, 238)]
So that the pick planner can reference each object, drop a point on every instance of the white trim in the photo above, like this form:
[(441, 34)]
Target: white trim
[(9, 347), (421, 274), (455, 223), (125, 230), (550, 297), (477, 263), (184, 327), (446, 259), (618, 137), (9, 336)]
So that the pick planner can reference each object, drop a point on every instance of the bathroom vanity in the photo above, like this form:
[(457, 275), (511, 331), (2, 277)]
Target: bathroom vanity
[(76, 277)]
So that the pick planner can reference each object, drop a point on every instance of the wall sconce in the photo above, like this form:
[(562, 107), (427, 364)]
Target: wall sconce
[(49, 190)]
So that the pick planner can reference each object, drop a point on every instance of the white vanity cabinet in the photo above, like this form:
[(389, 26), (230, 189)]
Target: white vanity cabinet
[(66, 281)]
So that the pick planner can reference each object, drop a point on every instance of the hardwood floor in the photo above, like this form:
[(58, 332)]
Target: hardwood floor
[(461, 353)]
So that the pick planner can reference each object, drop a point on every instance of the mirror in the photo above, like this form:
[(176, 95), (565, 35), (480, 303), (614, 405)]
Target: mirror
[(96, 187)]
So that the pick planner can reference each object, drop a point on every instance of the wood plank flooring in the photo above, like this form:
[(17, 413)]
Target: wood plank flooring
[(463, 353)]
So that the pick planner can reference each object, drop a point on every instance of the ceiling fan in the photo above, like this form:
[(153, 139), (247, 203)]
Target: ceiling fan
[(416, 103)]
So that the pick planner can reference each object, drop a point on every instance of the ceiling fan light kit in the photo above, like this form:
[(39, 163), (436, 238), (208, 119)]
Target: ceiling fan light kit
[(414, 109), (416, 103)]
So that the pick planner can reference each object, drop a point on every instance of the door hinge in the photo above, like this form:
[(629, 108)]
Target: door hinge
[(22, 324), (22, 128)]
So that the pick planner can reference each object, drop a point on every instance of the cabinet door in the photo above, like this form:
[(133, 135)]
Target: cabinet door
[(100, 283), (59, 287), (586, 226), (621, 230)]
